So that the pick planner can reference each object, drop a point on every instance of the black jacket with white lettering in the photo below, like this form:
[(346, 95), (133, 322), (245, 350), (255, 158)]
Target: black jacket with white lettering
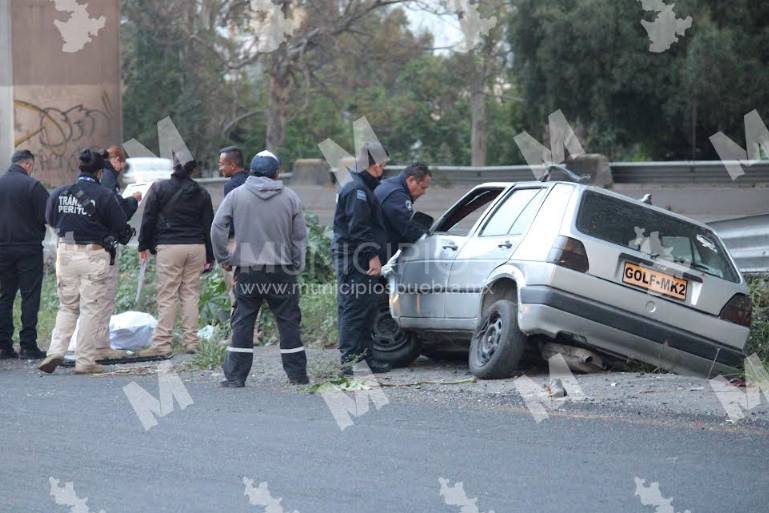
[(187, 221), (73, 223), (22, 209)]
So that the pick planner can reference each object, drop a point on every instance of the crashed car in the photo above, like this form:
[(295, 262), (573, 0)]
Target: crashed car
[(516, 265)]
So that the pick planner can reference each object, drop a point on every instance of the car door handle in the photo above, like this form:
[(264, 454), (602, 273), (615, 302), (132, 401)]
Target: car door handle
[(507, 245), (451, 246)]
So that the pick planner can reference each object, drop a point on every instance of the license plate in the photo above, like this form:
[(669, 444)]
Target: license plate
[(655, 281)]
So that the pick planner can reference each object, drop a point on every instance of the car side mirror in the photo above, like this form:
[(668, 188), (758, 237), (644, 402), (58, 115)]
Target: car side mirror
[(423, 220)]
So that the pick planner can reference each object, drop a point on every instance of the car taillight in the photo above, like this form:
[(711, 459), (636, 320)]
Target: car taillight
[(570, 253), (738, 310)]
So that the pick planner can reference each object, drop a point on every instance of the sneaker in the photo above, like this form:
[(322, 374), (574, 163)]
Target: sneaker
[(155, 351), (50, 363), (32, 353), (91, 368), (8, 354), (227, 383), (299, 380)]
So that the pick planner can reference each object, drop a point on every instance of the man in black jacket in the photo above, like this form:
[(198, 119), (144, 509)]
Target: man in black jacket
[(231, 166), (397, 196), (22, 230), (177, 227), (359, 247), (89, 222)]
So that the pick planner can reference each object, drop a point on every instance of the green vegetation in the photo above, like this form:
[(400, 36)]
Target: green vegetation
[(759, 333)]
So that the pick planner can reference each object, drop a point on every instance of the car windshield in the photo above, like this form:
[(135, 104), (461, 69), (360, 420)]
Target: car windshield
[(658, 235)]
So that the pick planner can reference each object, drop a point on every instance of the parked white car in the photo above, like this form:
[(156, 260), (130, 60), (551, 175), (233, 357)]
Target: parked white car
[(514, 263)]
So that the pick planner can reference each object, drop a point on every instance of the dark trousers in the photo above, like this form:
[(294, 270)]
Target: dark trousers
[(279, 289), (21, 269), (357, 301)]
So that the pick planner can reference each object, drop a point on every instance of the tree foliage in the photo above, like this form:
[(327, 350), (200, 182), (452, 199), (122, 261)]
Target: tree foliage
[(591, 59)]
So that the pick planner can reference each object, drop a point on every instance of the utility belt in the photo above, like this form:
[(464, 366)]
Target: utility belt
[(109, 244)]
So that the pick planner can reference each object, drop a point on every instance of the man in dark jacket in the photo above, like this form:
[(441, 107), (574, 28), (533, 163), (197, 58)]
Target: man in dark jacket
[(397, 196), (359, 247), (22, 230), (177, 227), (89, 222), (231, 166)]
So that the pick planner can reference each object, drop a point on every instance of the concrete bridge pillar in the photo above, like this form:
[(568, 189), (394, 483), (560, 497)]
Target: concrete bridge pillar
[(6, 85)]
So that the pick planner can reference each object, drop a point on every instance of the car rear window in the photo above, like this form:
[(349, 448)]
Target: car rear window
[(654, 233)]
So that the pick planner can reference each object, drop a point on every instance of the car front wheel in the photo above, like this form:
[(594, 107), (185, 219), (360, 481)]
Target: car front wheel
[(497, 344), (391, 344)]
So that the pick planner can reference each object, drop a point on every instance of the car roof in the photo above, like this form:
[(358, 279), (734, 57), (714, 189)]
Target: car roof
[(599, 190)]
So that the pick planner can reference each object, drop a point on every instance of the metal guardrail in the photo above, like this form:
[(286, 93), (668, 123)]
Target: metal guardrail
[(747, 239), (662, 173), (689, 172), (704, 172)]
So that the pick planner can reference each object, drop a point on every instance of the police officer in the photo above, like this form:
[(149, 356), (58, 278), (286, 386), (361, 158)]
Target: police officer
[(22, 230), (89, 222), (177, 228), (113, 167), (397, 196), (231, 165), (359, 247), (269, 252)]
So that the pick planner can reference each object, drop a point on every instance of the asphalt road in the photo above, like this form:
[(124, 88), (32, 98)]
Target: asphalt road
[(84, 430)]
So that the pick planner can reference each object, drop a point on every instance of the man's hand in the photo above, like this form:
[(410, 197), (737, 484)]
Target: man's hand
[(144, 256), (375, 267), (227, 267), (208, 267), (137, 195)]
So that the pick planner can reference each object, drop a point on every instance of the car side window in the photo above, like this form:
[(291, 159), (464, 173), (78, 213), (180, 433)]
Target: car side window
[(463, 216), (521, 225), (503, 220)]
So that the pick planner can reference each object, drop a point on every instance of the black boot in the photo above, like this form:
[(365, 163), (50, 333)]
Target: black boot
[(8, 354), (31, 353), (378, 367)]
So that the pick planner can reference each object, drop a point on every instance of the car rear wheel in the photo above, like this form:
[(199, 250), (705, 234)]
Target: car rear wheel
[(391, 344), (497, 344)]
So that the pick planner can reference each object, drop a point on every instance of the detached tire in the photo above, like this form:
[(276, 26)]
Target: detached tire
[(391, 344), (497, 344)]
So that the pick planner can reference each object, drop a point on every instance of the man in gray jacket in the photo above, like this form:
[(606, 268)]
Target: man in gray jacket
[(270, 245)]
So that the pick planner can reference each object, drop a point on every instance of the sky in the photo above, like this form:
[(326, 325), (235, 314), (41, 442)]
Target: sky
[(445, 29)]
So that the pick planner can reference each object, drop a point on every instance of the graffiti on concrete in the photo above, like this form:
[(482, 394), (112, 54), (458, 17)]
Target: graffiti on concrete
[(56, 135)]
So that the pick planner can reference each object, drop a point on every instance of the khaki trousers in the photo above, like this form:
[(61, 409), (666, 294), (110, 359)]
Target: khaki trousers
[(82, 278), (179, 268)]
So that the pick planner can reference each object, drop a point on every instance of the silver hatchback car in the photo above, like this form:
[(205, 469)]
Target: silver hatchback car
[(511, 263)]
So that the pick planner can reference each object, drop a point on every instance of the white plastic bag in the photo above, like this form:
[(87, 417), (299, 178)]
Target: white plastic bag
[(127, 331)]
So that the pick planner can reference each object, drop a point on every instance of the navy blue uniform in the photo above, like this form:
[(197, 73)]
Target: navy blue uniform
[(359, 235), (235, 181), (398, 208), (22, 230), (74, 224), (110, 180)]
